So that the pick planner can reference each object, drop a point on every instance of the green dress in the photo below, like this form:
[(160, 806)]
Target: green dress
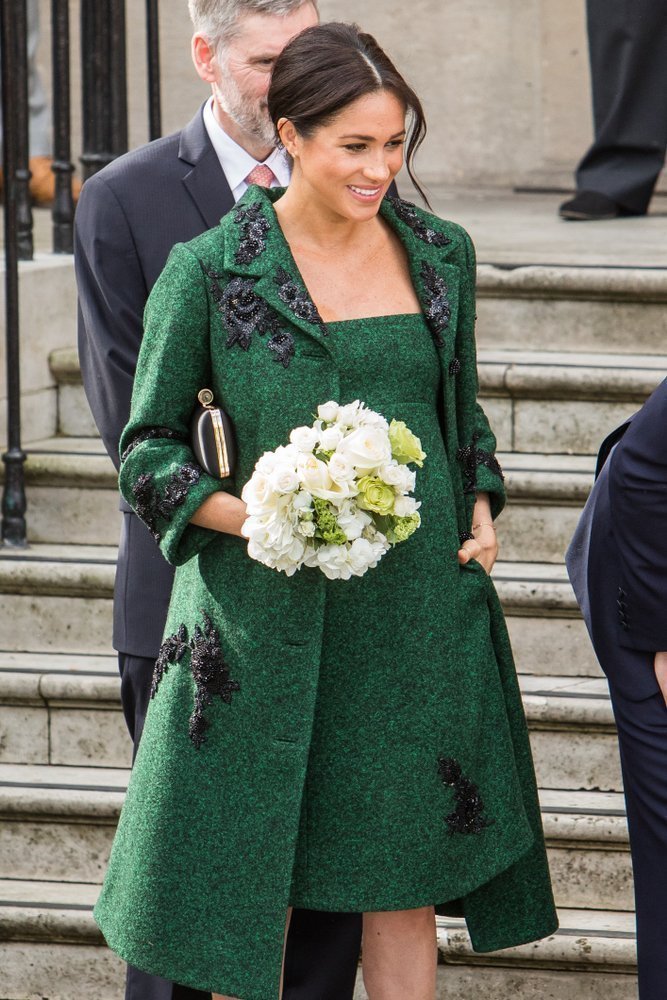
[(341, 745)]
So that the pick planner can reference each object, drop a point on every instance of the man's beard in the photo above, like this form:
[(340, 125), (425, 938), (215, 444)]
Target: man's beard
[(249, 115)]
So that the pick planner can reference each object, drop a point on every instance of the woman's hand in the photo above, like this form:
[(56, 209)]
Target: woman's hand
[(660, 667), (221, 512), (484, 545)]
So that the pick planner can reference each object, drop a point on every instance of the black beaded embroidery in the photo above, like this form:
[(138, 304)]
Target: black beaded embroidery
[(245, 313), (455, 367), (466, 536), (298, 299), (468, 816), (151, 507), (209, 671), (255, 226), (150, 434), (438, 309), (282, 345), (172, 650), (406, 212), (211, 676), (470, 457)]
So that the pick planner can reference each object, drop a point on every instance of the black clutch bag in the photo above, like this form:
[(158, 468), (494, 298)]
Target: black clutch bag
[(212, 437)]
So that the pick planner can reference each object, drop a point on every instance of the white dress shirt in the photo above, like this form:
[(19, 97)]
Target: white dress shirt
[(236, 163)]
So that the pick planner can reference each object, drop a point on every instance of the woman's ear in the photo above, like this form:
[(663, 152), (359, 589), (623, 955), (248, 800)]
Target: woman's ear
[(289, 136)]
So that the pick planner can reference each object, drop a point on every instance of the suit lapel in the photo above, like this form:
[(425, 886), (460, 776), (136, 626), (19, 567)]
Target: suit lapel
[(205, 181)]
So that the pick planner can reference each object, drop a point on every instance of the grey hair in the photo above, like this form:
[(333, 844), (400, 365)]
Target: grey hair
[(218, 20)]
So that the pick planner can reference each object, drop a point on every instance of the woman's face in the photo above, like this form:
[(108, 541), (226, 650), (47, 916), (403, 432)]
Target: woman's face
[(348, 164)]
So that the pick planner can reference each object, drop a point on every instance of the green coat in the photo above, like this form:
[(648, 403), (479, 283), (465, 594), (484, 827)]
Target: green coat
[(202, 865)]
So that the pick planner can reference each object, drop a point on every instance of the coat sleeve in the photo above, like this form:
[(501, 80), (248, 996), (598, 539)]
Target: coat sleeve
[(480, 467), (159, 476), (638, 505), (112, 295)]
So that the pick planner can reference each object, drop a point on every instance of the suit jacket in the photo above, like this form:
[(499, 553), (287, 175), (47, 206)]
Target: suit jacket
[(617, 560), (128, 218)]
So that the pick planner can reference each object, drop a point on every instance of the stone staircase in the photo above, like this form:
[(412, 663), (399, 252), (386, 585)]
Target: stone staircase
[(64, 751)]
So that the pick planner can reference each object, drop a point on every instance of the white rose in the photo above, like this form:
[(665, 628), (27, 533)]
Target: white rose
[(287, 453), (341, 469), (373, 419), (399, 476), (350, 415), (266, 463), (405, 506), (304, 438), (284, 478), (258, 494), (306, 528), (366, 448), (328, 411), (330, 438), (314, 474)]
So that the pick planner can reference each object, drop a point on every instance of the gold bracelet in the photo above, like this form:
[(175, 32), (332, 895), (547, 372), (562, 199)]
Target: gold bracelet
[(484, 524)]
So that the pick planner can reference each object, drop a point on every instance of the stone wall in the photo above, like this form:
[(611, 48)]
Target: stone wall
[(505, 82)]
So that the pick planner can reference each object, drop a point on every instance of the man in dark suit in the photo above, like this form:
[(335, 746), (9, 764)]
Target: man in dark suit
[(617, 563), (628, 56), (129, 216)]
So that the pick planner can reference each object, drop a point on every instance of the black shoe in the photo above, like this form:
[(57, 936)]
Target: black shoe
[(589, 206)]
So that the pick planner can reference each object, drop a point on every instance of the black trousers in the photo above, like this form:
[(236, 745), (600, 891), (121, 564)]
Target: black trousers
[(322, 948), (642, 735), (628, 55)]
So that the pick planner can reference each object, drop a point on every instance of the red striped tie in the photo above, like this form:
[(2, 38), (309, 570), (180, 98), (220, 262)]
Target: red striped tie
[(262, 175)]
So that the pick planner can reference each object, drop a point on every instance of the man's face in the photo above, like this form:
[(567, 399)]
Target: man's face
[(245, 65)]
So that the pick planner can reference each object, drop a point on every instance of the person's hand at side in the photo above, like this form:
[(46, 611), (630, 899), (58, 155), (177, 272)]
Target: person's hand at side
[(660, 666), (484, 545)]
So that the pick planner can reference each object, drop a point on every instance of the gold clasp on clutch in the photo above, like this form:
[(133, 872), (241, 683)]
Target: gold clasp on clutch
[(205, 397)]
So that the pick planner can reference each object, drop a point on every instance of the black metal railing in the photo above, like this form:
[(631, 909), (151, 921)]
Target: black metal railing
[(104, 137)]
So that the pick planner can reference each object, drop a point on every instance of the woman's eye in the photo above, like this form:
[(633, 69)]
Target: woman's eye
[(395, 143), (356, 147)]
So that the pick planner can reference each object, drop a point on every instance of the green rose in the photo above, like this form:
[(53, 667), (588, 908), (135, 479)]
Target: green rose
[(375, 495), (327, 523), (402, 528), (405, 446)]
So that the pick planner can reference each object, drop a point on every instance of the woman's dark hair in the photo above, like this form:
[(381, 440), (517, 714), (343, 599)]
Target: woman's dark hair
[(327, 67)]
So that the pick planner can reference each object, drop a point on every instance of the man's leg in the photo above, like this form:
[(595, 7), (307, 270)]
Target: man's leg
[(628, 56), (322, 955), (642, 734)]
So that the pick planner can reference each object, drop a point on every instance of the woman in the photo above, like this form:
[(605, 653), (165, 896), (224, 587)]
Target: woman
[(352, 745)]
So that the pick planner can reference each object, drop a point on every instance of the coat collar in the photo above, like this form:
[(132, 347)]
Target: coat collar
[(254, 247), (205, 181)]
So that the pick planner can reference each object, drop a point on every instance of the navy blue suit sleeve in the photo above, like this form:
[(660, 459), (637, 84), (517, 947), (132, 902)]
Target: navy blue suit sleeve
[(112, 295), (638, 505)]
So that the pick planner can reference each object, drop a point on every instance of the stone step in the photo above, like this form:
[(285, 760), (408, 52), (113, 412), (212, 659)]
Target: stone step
[(620, 309), (555, 402), (38, 586), (546, 494), (51, 947), (61, 710), (537, 400), (74, 416), (72, 492), (57, 824)]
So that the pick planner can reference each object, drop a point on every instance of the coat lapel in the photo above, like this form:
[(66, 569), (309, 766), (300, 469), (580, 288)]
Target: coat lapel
[(205, 182), (255, 248)]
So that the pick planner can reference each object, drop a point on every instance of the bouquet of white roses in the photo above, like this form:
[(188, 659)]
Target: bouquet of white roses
[(336, 497)]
